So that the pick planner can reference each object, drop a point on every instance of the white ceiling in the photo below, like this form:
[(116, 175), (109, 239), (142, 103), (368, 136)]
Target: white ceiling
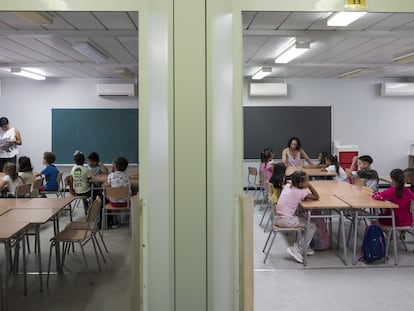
[(369, 44), (49, 47)]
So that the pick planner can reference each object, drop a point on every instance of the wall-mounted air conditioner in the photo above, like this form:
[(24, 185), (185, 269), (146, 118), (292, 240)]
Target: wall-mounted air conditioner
[(397, 89), (268, 89), (116, 89)]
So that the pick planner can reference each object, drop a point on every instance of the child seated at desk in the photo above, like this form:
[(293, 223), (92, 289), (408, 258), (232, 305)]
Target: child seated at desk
[(26, 174), (266, 166), (399, 195), (364, 171), (286, 209), (118, 178), (333, 166), (10, 180), (95, 165), (50, 172), (80, 179), (409, 177)]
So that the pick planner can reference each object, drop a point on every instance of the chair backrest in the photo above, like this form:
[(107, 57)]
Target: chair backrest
[(116, 192), (60, 181), (252, 176), (23, 190), (94, 211)]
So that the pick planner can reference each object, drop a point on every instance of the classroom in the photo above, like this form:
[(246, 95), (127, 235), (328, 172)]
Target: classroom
[(187, 250)]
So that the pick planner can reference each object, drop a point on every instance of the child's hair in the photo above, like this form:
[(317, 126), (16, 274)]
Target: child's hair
[(298, 177), (121, 164), (11, 170), (49, 157), (278, 176), (334, 161), (79, 158), (25, 165), (409, 174), (366, 158), (93, 156), (324, 156), (299, 144), (265, 155), (398, 176)]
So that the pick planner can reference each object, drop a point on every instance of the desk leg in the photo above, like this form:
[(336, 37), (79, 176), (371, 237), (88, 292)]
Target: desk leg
[(305, 247), (24, 265), (355, 237), (330, 228), (394, 237), (5, 283), (342, 221), (39, 255), (56, 230)]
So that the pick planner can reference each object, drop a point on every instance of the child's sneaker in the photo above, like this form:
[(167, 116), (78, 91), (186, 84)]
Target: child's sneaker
[(115, 224), (310, 252), (295, 253)]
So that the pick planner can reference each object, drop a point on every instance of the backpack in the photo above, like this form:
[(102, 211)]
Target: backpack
[(373, 245), (320, 240)]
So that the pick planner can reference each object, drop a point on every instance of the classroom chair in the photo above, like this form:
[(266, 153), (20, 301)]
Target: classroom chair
[(23, 191), (269, 203), (68, 187), (60, 191), (275, 230), (94, 226), (400, 231), (108, 209), (80, 236), (254, 183)]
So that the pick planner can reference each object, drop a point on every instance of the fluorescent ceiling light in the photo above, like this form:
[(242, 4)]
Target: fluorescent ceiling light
[(91, 52), (342, 19), (36, 18), (351, 74), (407, 57), (262, 72), (25, 73), (292, 51)]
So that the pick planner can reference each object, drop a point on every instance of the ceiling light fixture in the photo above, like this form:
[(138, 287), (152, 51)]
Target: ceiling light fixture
[(91, 52), (351, 74), (36, 18), (292, 51), (24, 73), (407, 57), (343, 19), (262, 72)]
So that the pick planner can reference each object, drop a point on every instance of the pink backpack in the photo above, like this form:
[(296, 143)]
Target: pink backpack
[(320, 240)]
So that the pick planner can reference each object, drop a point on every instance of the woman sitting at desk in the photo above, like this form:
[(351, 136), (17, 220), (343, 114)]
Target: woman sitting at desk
[(293, 154)]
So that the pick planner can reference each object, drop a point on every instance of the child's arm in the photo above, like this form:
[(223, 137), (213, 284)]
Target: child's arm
[(3, 184), (306, 157), (103, 168), (314, 195), (354, 166)]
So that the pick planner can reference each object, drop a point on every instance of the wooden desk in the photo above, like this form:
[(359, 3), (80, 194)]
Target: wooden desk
[(9, 231), (103, 178), (11, 203), (357, 199), (37, 212), (326, 203), (311, 172)]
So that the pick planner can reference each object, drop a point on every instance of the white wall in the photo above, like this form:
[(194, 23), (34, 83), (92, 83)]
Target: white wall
[(28, 103), (382, 127)]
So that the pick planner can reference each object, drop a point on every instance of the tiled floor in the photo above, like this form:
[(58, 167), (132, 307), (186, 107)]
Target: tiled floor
[(326, 283), (72, 290)]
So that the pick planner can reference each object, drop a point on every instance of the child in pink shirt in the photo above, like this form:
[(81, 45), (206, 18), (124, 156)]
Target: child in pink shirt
[(286, 208), (266, 166), (400, 195)]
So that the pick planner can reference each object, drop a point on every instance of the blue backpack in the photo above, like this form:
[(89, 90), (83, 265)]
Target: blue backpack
[(373, 245)]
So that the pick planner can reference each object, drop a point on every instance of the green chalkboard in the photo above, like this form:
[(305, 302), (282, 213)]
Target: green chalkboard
[(109, 132)]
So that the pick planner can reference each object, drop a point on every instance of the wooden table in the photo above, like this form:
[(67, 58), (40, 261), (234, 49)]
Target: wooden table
[(357, 198), (311, 172), (8, 232), (326, 203), (37, 212)]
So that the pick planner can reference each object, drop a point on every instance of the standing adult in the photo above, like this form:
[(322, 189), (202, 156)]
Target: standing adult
[(9, 140), (293, 154)]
